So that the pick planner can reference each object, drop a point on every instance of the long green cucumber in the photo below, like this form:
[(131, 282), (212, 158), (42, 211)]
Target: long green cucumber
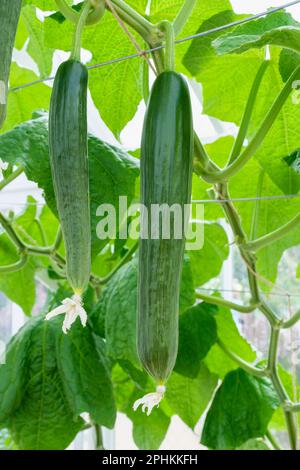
[(9, 17), (69, 166), (166, 178)]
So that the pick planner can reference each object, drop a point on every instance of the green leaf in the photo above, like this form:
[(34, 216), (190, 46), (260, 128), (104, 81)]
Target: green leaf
[(112, 171), (41, 54), (85, 378), (202, 12), (117, 311), (293, 160), (44, 419), (254, 444), (18, 286), (120, 314), (278, 28), (241, 410), (116, 89), (45, 5), (197, 334), (13, 374), (288, 62), (188, 398), (215, 249), (227, 331), (201, 49), (269, 216), (22, 102)]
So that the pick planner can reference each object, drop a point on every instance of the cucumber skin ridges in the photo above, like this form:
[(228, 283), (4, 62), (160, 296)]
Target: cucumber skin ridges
[(166, 177), (9, 17), (69, 166)]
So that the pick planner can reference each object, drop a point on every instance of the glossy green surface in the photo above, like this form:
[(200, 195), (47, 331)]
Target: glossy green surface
[(9, 17), (166, 173), (69, 166)]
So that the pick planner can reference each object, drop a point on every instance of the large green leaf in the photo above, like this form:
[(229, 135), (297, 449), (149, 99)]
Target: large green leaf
[(202, 12), (44, 419), (18, 286), (278, 28), (241, 410), (188, 398), (86, 381), (22, 102), (263, 217), (112, 171), (201, 49), (116, 89), (215, 249), (41, 54), (227, 331), (13, 374), (116, 311), (197, 334)]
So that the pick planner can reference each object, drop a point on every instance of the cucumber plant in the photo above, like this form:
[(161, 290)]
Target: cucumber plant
[(148, 322)]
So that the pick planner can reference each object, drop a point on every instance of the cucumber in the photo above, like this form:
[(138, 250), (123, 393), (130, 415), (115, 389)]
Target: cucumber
[(9, 17), (69, 166), (166, 178)]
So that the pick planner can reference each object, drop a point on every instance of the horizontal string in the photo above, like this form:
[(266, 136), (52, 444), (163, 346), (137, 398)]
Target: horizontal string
[(235, 291), (194, 201), (178, 41)]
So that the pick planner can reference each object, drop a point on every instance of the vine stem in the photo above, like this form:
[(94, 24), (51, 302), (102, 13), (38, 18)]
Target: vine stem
[(183, 16), (167, 27), (259, 137), (73, 16), (274, 236), (11, 177), (128, 256), (281, 392), (126, 30), (272, 440), (226, 303), (292, 321), (242, 364), (239, 141), (79, 29)]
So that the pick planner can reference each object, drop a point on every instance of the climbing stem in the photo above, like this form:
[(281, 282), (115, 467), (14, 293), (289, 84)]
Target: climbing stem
[(99, 437), (123, 261), (11, 233), (11, 177), (241, 363), (278, 386), (72, 15), (79, 29), (11, 268), (272, 440), (238, 144), (226, 303), (292, 321), (168, 29), (67, 11), (183, 16), (259, 137), (274, 236)]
